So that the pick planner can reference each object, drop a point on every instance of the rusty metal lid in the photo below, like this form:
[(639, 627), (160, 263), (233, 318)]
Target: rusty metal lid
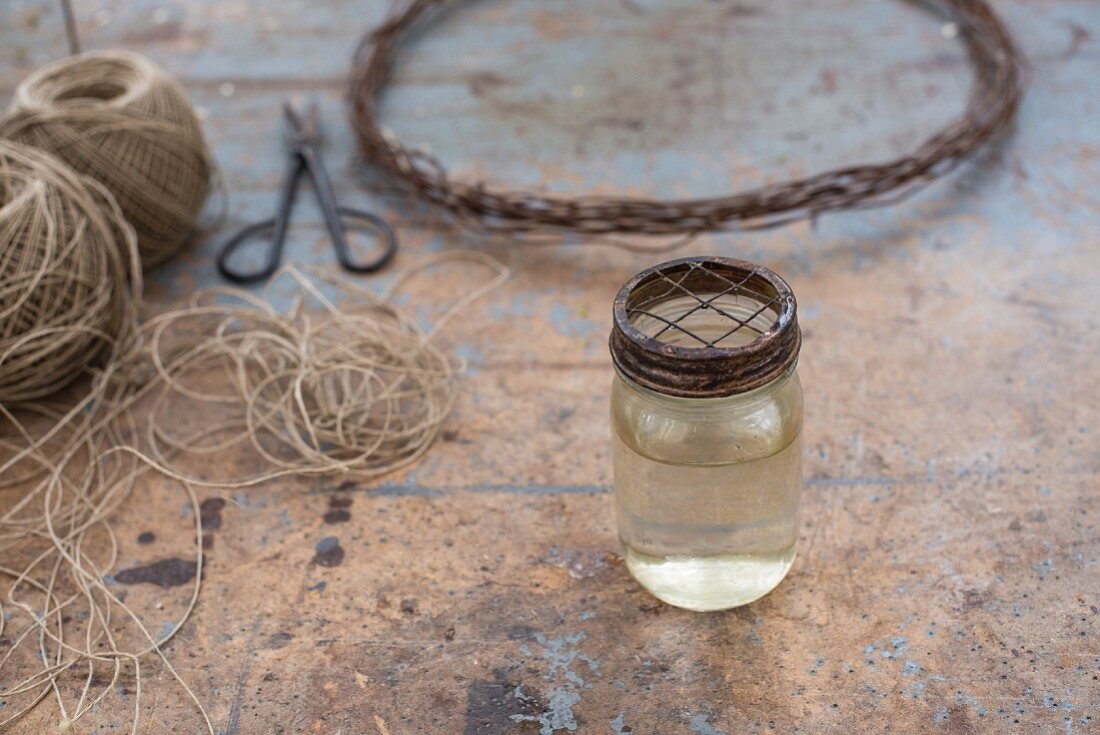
[(705, 327)]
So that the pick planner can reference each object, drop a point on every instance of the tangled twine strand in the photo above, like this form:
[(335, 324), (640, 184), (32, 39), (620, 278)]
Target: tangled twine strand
[(65, 251), (311, 391), (361, 392), (121, 119), (994, 98)]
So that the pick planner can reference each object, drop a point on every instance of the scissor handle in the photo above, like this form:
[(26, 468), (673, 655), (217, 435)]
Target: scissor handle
[(279, 223), (335, 215), (373, 221), (231, 245), (379, 225)]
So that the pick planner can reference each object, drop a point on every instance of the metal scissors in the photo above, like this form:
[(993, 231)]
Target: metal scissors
[(302, 137)]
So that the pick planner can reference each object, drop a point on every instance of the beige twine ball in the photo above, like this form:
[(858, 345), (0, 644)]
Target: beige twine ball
[(65, 256), (121, 119)]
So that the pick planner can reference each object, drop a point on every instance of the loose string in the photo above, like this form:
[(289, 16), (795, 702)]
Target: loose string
[(342, 382)]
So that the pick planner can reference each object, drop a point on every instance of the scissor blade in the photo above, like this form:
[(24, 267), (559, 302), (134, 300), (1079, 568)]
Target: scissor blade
[(301, 130), (295, 134)]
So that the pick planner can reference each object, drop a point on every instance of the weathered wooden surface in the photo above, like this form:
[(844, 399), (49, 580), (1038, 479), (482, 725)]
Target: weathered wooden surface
[(948, 572)]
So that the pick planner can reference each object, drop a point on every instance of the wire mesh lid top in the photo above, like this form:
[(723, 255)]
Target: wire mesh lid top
[(705, 327)]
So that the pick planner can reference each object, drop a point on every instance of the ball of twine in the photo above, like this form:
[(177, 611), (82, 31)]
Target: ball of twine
[(118, 117), (65, 254)]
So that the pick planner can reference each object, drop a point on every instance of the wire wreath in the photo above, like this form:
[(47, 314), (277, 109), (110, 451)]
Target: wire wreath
[(994, 98)]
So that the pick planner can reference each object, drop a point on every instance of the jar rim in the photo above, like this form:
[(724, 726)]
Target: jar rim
[(709, 370), (749, 395)]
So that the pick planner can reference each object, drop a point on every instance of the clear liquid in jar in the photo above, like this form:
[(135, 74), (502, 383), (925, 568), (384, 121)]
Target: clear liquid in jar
[(708, 536)]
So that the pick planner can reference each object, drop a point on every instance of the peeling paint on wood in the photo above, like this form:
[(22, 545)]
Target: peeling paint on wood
[(946, 579)]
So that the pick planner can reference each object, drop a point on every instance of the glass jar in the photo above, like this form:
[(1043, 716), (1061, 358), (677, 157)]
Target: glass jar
[(706, 414)]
